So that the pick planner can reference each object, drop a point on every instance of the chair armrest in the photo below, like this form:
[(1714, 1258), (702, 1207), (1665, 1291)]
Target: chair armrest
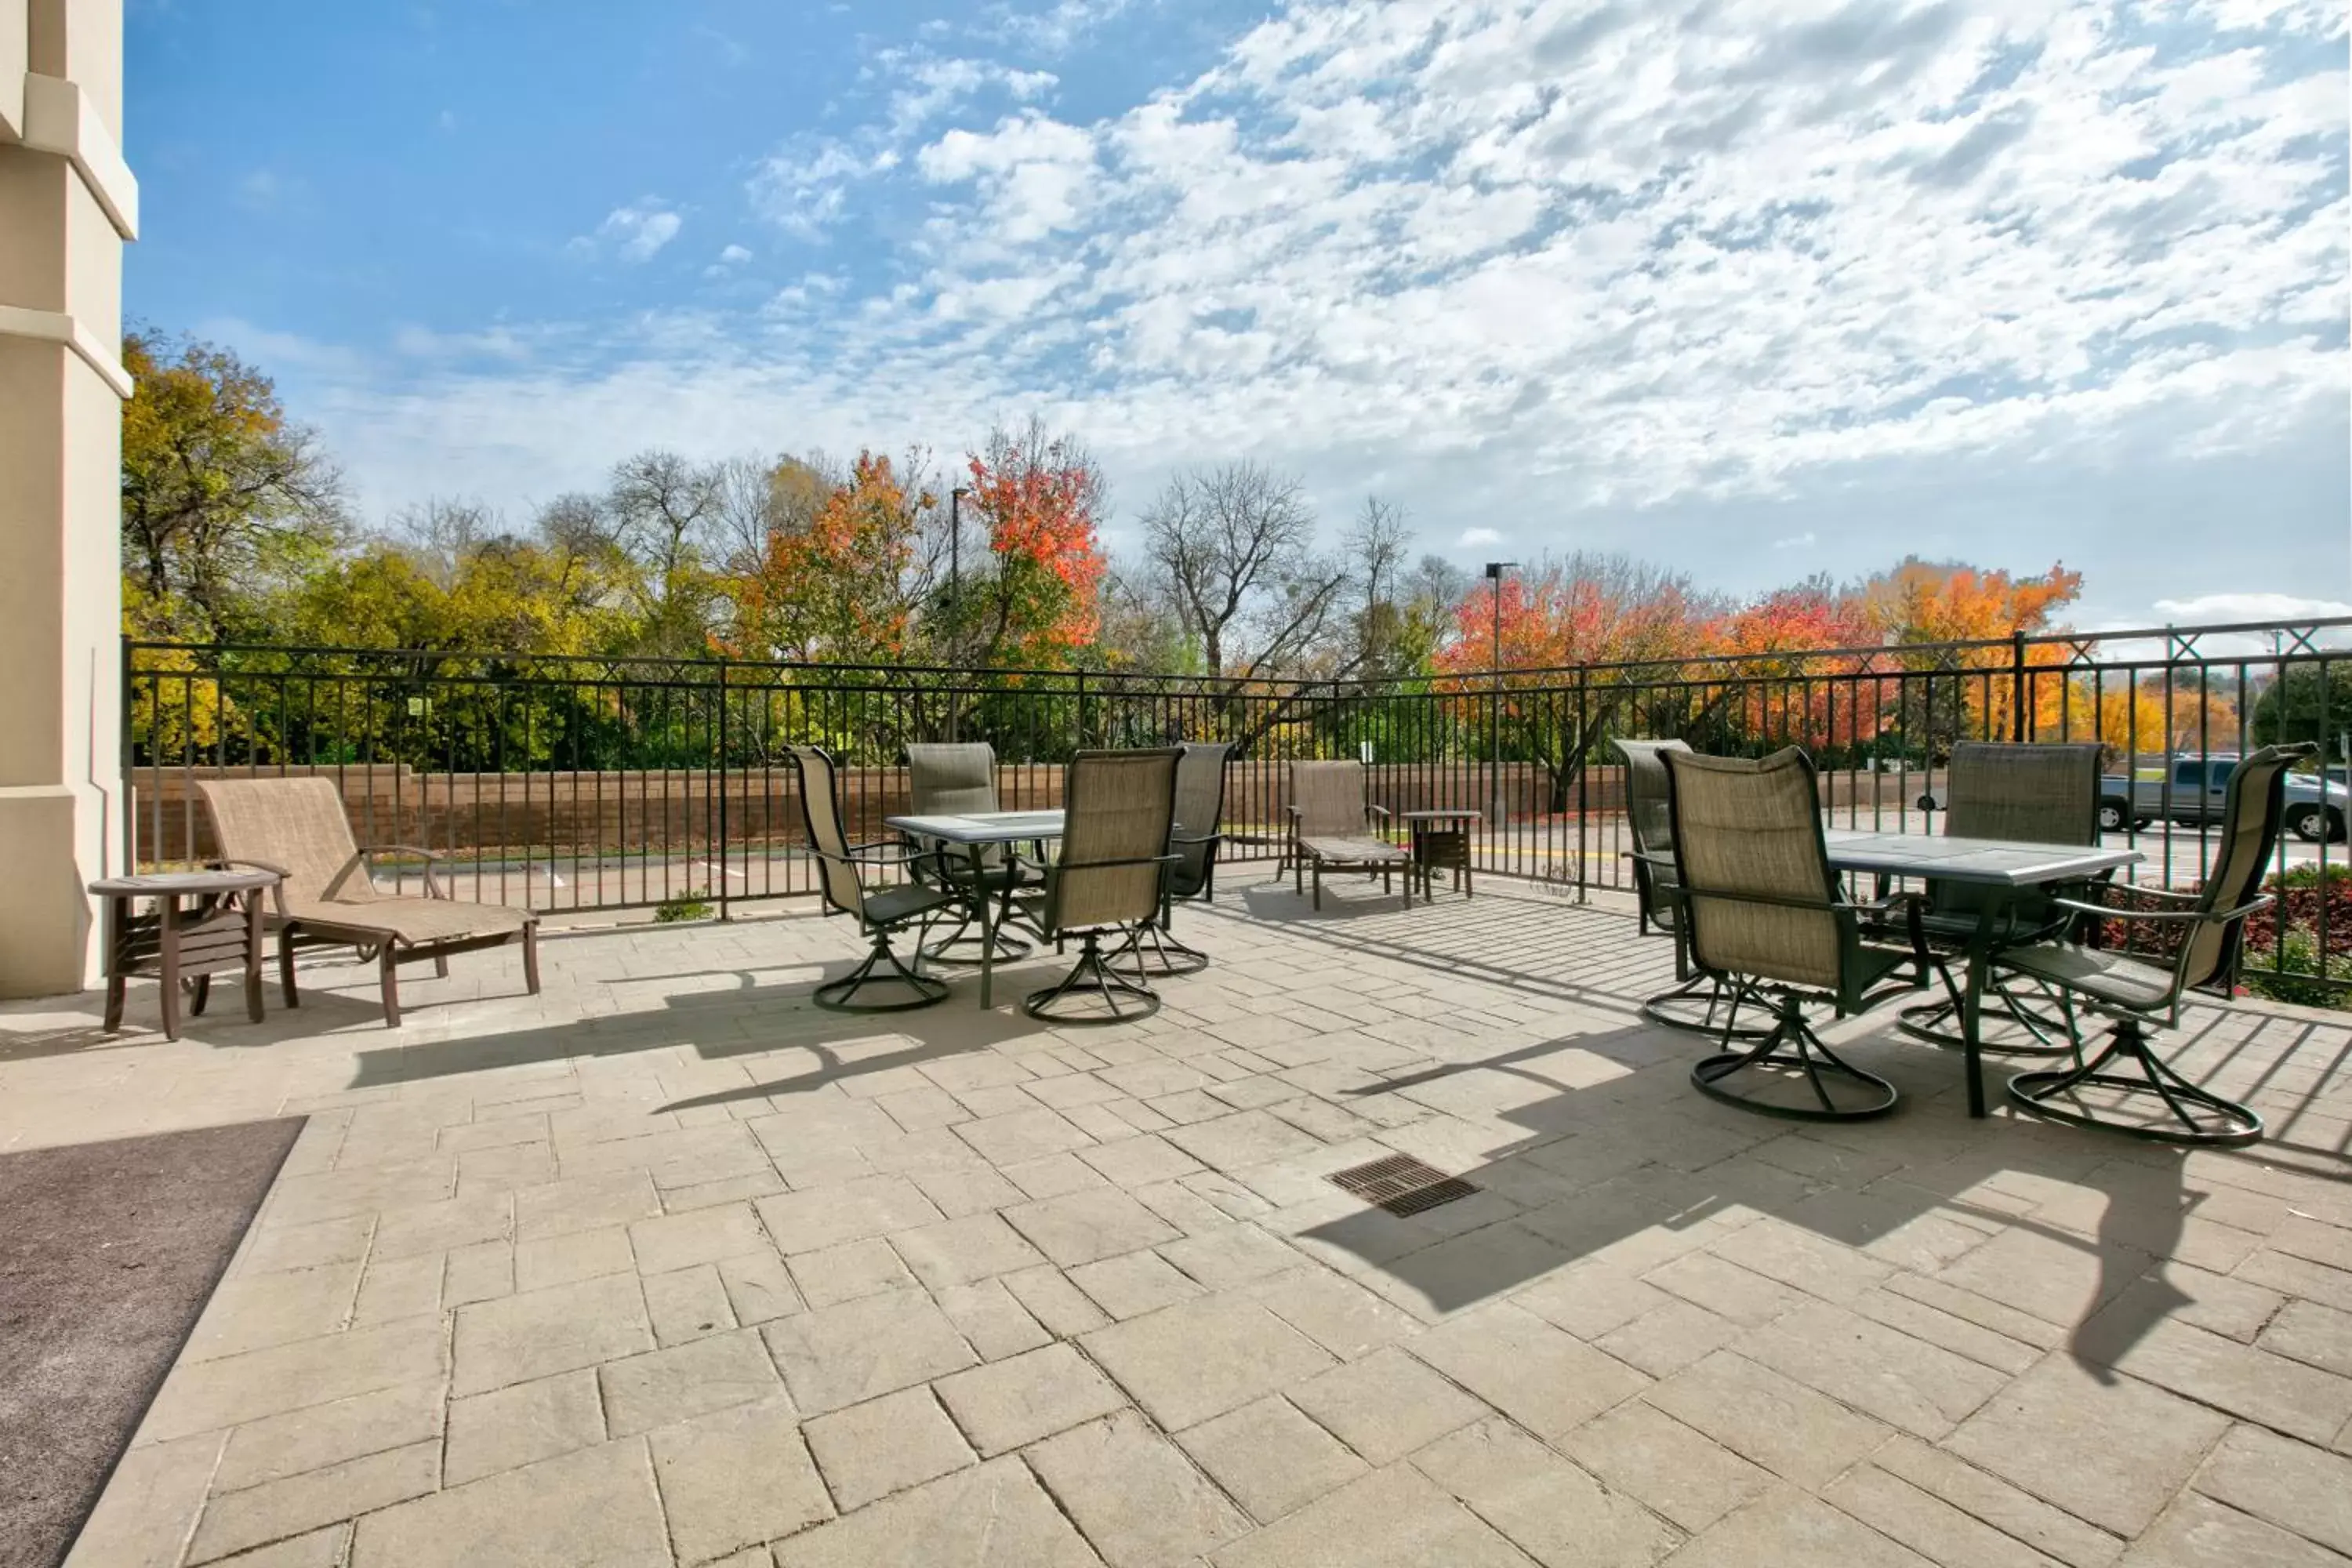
[(1382, 812), (889, 852), (1196, 838), (2177, 917), (1294, 813), (433, 888)]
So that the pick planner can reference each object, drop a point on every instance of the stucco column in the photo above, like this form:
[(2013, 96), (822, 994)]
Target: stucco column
[(67, 203)]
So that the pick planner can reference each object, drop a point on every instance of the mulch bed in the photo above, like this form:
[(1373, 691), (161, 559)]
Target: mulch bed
[(108, 1254)]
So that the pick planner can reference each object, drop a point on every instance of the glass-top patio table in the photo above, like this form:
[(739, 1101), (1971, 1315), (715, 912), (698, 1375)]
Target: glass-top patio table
[(2003, 867), (975, 835)]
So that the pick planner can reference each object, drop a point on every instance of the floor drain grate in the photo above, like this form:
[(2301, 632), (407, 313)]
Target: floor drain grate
[(1401, 1184)]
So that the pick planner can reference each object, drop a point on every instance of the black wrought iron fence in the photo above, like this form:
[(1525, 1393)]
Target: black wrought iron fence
[(596, 783)]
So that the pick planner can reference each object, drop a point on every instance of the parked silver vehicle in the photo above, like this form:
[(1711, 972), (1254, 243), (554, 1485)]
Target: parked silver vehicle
[(2191, 789)]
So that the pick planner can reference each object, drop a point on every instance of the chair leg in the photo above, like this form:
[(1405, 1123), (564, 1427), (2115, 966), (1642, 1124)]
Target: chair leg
[(1319, 886), (530, 957), (440, 966), (1806, 1057), (836, 995), (1157, 952), (2226, 1123), (1094, 972), (389, 972), (1667, 1011), (286, 966)]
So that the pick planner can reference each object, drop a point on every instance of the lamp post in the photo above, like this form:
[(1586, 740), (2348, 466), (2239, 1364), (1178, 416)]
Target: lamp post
[(1494, 570)]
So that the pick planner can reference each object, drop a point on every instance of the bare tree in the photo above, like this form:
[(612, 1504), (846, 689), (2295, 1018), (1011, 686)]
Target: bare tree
[(439, 532), (1375, 548), (662, 508), (1233, 550)]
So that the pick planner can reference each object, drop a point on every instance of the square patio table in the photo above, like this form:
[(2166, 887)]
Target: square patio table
[(1441, 841), (974, 835), (2004, 867)]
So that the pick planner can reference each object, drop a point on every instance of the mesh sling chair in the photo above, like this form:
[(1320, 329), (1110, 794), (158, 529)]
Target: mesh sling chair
[(2205, 928), (1118, 807), (327, 897), (959, 779), (1329, 814), (1194, 838), (1658, 892), (1766, 915), (2024, 794), (842, 867)]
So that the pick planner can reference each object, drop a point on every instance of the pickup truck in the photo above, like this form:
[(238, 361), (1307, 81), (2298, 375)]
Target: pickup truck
[(2191, 789)]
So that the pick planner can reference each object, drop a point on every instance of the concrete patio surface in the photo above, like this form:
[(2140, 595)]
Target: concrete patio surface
[(665, 1266)]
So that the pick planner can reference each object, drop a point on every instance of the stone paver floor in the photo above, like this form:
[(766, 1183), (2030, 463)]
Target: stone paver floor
[(666, 1266)]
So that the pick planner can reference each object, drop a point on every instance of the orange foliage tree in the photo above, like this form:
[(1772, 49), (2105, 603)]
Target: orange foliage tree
[(836, 590), (1040, 495)]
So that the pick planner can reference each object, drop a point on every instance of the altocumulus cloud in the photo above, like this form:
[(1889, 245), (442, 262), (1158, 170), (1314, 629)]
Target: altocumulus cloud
[(1621, 256)]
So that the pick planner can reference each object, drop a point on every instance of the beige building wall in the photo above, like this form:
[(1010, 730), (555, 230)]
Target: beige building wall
[(68, 204)]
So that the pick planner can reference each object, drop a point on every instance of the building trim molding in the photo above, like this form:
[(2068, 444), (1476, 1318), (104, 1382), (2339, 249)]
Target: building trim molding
[(60, 118), (56, 327)]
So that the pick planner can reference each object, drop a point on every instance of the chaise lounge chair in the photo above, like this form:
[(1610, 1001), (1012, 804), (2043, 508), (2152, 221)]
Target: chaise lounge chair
[(327, 895)]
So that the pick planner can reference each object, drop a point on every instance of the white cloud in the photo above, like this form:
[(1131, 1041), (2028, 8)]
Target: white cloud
[(729, 261), (1471, 538), (2224, 609), (1795, 542), (634, 233), (1603, 267)]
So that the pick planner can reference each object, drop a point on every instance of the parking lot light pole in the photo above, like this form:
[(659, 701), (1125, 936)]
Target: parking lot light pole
[(1494, 570)]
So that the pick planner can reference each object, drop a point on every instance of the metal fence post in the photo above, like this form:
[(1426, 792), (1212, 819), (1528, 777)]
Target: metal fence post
[(2017, 726), (1583, 767), (724, 913), (1082, 711)]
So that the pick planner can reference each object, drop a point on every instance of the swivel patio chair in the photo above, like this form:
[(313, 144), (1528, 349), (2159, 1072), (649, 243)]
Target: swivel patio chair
[(2024, 794), (1765, 914), (959, 779), (1194, 839), (2205, 930), (327, 897), (880, 912), (1658, 891), (1107, 882), (1329, 817)]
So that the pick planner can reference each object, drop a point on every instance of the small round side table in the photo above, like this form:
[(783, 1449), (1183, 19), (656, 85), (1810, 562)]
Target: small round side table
[(217, 928)]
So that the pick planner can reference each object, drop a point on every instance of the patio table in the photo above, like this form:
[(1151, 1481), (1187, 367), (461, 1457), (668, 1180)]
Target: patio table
[(2003, 868), (974, 835), (1441, 841)]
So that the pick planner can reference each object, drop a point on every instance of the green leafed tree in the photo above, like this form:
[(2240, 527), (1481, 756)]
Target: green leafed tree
[(224, 501)]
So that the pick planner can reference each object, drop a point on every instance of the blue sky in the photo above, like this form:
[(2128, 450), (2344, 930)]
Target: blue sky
[(1752, 287)]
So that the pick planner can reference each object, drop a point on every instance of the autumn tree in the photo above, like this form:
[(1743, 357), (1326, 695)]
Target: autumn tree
[(224, 499), (1039, 497), (1629, 616), (836, 588)]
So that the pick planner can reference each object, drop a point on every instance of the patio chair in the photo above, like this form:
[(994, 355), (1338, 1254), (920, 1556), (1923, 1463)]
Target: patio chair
[(2205, 929), (2024, 794), (1329, 817), (959, 779), (1194, 839), (327, 897), (1765, 913), (1657, 893), (881, 912), (1118, 807)]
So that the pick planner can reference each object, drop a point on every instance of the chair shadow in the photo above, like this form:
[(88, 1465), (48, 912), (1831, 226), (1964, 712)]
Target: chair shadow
[(1472, 934), (1629, 1187), (783, 1017)]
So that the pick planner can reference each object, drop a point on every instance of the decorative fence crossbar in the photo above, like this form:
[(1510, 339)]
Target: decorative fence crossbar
[(599, 783)]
